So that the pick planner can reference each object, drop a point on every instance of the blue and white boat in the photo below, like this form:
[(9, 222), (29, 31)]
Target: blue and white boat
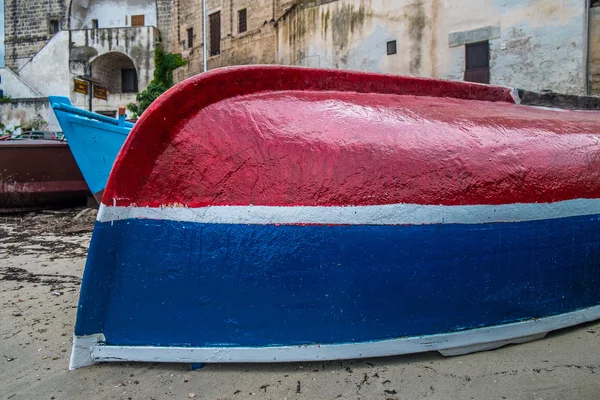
[(94, 139)]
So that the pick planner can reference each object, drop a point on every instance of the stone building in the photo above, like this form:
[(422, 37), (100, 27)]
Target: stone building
[(52, 46), (99, 53), (538, 45)]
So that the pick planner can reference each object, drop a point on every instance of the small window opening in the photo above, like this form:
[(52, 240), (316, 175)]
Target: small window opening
[(54, 26), (214, 23), (129, 80), (190, 38), (94, 24), (242, 24), (391, 47), (477, 60)]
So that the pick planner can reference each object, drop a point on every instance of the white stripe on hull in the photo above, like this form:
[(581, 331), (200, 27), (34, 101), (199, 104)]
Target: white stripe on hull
[(447, 343), (393, 214)]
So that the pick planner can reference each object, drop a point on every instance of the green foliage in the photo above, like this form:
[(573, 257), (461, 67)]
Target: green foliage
[(164, 64), (5, 99)]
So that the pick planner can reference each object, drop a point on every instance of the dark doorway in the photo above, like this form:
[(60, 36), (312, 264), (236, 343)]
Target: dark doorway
[(129, 81), (477, 60)]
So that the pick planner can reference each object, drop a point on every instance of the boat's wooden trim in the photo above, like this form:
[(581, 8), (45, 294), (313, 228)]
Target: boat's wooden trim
[(89, 349)]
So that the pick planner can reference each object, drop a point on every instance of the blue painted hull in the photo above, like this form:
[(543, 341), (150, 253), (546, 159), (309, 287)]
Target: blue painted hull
[(196, 284), (94, 143)]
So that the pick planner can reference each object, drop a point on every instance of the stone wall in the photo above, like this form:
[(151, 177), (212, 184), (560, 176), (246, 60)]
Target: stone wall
[(164, 21), (257, 45), (27, 27)]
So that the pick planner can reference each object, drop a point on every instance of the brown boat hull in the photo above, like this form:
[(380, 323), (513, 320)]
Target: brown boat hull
[(38, 174)]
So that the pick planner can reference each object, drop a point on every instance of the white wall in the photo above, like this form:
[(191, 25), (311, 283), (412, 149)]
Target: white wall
[(111, 13), (48, 71), (536, 44), (14, 87), (23, 111)]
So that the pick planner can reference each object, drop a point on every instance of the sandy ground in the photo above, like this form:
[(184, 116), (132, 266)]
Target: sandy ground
[(42, 256)]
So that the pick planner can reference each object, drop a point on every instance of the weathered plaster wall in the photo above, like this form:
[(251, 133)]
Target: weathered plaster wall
[(48, 72), (24, 112), (536, 44), (594, 51), (27, 27), (111, 13), (14, 87), (540, 47), (136, 43)]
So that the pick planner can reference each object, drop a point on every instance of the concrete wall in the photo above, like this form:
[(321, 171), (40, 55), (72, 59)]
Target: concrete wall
[(14, 87), (111, 13), (535, 45), (594, 58), (24, 113)]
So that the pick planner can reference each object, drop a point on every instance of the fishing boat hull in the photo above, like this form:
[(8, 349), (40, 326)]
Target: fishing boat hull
[(39, 174), (314, 215), (95, 141)]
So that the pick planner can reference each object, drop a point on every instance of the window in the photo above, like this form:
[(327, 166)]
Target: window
[(94, 24), (190, 38), (129, 81), (391, 47), (477, 60), (54, 26), (242, 25), (137, 20), (214, 23)]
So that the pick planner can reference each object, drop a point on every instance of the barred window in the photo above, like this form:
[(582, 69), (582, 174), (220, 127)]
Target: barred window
[(242, 24)]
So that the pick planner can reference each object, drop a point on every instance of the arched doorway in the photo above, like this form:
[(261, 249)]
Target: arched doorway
[(116, 72)]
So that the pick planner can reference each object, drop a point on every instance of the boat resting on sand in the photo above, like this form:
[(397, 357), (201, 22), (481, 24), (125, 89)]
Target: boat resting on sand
[(39, 174), (268, 213), (94, 139)]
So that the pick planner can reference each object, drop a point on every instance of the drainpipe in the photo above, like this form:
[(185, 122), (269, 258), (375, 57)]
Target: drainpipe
[(586, 44), (204, 33), (91, 86)]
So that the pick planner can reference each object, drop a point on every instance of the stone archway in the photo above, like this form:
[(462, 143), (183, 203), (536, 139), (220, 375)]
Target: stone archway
[(116, 72)]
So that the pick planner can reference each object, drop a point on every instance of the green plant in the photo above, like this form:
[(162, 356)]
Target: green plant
[(164, 64), (5, 99)]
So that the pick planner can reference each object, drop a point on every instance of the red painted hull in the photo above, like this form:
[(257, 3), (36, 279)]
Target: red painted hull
[(37, 174), (292, 136)]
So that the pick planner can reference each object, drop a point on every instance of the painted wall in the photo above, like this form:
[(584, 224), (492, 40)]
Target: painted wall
[(536, 45), (96, 46), (111, 13), (48, 71), (595, 51), (24, 113), (14, 87)]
